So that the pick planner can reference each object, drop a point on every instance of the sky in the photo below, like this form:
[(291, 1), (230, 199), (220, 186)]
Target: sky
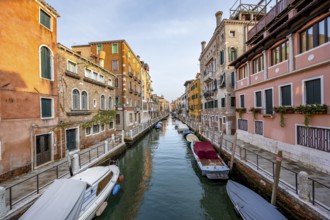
[(167, 34)]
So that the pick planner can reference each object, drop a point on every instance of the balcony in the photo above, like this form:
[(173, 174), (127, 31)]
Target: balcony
[(208, 77), (209, 94), (269, 18), (131, 90), (130, 74)]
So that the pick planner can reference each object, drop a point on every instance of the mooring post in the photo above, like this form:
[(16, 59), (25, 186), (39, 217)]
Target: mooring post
[(3, 208), (233, 152), (277, 176), (75, 164), (122, 136), (106, 146)]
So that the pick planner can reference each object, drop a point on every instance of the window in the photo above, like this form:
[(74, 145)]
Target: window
[(94, 75), (117, 119), (232, 34), (94, 103), (72, 67), (259, 127), (222, 57), (233, 101), (46, 63), (88, 131), (258, 103), (316, 138), (285, 95), (315, 35), (232, 76), (117, 100), (313, 91), (242, 124), (75, 99), (111, 125), (45, 19), (280, 53), (102, 105), (242, 101), (88, 73), (269, 101), (84, 100), (223, 102), (101, 78), (130, 117), (99, 48), (115, 65), (110, 82), (116, 83), (115, 48), (102, 127), (96, 129), (46, 108), (232, 53), (110, 103), (258, 64), (242, 73)]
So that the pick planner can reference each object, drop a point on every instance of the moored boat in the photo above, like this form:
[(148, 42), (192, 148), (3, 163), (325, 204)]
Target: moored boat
[(182, 127), (192, 138), (80, 197), (250, 205), (158, 125), (186, 132), (209, 161)]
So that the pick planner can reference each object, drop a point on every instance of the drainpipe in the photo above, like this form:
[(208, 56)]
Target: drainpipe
[(31, 140)]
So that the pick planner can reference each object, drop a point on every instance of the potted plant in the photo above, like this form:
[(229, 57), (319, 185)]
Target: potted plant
[(309, 110), (284, 110), (240, 111), (255, 111)]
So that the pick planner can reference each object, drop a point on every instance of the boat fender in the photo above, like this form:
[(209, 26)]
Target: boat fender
[(120, 179), (101, 209), (116, 189)]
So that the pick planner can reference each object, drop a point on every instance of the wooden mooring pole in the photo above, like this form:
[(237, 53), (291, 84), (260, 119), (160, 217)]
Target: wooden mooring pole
[(277, 176), (233, 152)]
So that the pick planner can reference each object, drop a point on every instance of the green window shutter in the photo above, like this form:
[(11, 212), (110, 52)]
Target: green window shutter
[(46, 108), (45, 63), (313, 92), (45, 19)]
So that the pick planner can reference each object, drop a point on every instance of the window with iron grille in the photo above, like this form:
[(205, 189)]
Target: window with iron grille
[(316, 138), (242, 124), (259, 127)]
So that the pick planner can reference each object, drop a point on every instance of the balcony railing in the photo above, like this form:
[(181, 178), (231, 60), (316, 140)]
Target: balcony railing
[(269, 17)]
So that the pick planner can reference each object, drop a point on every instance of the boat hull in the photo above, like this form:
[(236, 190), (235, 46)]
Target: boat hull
[(212, 169)]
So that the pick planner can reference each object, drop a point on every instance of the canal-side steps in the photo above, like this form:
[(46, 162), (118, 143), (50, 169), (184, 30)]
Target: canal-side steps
[(303, 192)]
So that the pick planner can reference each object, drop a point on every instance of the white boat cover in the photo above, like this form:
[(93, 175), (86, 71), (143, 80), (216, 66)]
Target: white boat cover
[(182, 127), (192, 138), (61, 200), (250, 205)]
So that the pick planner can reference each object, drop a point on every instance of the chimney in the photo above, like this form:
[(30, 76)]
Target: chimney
[(203, 45), (218, 15), (101, 58)]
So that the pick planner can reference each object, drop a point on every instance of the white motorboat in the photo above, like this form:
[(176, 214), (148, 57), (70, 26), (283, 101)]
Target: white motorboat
[(80, 197), (182, 127)]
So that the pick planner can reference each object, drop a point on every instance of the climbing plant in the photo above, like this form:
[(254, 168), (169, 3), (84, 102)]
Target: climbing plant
[(102, 117)]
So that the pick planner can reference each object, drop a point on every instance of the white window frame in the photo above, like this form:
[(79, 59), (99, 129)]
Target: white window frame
[(91, 131), (263, 127), (94, 103), (76, 66), (264, 96), (103, 107), (96, 75), (100, 78), (303, 92), (88, 74), (243, 94), (280, 94), (81, 103), (53, 113), (72, 99), (51, 19)]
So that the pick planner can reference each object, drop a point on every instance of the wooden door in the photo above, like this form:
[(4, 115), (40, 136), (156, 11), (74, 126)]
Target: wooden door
[(43, 148), (71, 143)]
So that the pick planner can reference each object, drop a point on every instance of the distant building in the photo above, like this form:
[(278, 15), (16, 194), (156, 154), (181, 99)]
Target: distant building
[(86, 90), (146, 92), (194, 99), (122, 61), (287, 67), (217, 77), (28, 86)]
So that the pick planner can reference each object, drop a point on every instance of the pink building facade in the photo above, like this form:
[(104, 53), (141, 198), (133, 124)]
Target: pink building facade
[(283, 83)]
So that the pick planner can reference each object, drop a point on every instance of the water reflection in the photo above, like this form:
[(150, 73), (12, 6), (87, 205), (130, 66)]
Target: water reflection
[(162, 181)]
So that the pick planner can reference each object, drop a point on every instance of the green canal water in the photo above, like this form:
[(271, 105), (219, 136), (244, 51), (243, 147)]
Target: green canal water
[(162, 181)]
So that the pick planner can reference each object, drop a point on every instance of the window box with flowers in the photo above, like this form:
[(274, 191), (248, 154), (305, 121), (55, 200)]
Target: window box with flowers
[(240, 111), (283, 110), (309, 110), (255, 111)]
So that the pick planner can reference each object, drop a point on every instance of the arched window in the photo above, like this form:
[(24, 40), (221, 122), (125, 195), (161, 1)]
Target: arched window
[(110, 103), (75, 100), (117, 101), (46, 63), (84, 100), (102, 106)]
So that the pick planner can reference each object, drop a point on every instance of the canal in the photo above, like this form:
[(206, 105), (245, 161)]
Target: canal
[(162, 181)]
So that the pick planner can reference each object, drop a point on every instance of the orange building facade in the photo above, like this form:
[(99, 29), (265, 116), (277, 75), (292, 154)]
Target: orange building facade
[(28, 86)]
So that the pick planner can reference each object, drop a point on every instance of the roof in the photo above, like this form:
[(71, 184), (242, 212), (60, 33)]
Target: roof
[(92, 175), (49, 7)]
